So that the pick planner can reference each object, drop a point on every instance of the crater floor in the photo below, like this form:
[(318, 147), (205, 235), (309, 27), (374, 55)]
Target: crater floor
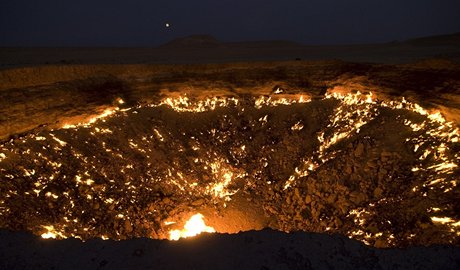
[(382, 172)]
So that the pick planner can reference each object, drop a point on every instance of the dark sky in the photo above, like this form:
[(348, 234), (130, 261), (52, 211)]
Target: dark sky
[(142, 22)]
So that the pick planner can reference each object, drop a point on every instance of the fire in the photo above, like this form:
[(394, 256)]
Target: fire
[(107, 112), (446, 220), (209, 172), (286, 100), (184, 104), (194, 226), (51, 233)]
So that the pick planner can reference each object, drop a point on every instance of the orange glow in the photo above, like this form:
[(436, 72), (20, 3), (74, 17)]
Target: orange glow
[(194, 226), (51, 233), (107, 112)]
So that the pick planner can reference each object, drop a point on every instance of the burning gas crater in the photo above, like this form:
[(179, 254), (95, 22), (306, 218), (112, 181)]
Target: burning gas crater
[(385, 173)]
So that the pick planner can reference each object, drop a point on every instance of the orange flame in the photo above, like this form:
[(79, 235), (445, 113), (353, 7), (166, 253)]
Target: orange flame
[(194, 226)]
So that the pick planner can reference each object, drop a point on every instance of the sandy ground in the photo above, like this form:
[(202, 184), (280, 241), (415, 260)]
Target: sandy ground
[(205, 49)]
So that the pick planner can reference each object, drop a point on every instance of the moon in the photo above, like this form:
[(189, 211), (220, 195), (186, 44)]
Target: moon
[(167, 25)]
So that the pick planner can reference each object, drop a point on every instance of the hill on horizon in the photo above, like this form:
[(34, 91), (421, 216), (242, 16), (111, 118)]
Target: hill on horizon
[(209, 41), (448, 39), (199, 41)]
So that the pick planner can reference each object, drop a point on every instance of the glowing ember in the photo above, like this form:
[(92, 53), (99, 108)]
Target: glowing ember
[(194, 226)]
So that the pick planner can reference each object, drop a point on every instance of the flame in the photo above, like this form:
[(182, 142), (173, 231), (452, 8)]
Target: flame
[(194, 226), (184, 104), (52, 233), (107, 112), (446, 220), (219, 189), (272, 101), (297, 126)]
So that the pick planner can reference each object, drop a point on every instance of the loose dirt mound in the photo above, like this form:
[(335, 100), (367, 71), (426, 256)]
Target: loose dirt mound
[(265, 249)]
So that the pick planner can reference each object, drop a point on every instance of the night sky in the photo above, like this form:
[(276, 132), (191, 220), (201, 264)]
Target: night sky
[(143, 22)]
